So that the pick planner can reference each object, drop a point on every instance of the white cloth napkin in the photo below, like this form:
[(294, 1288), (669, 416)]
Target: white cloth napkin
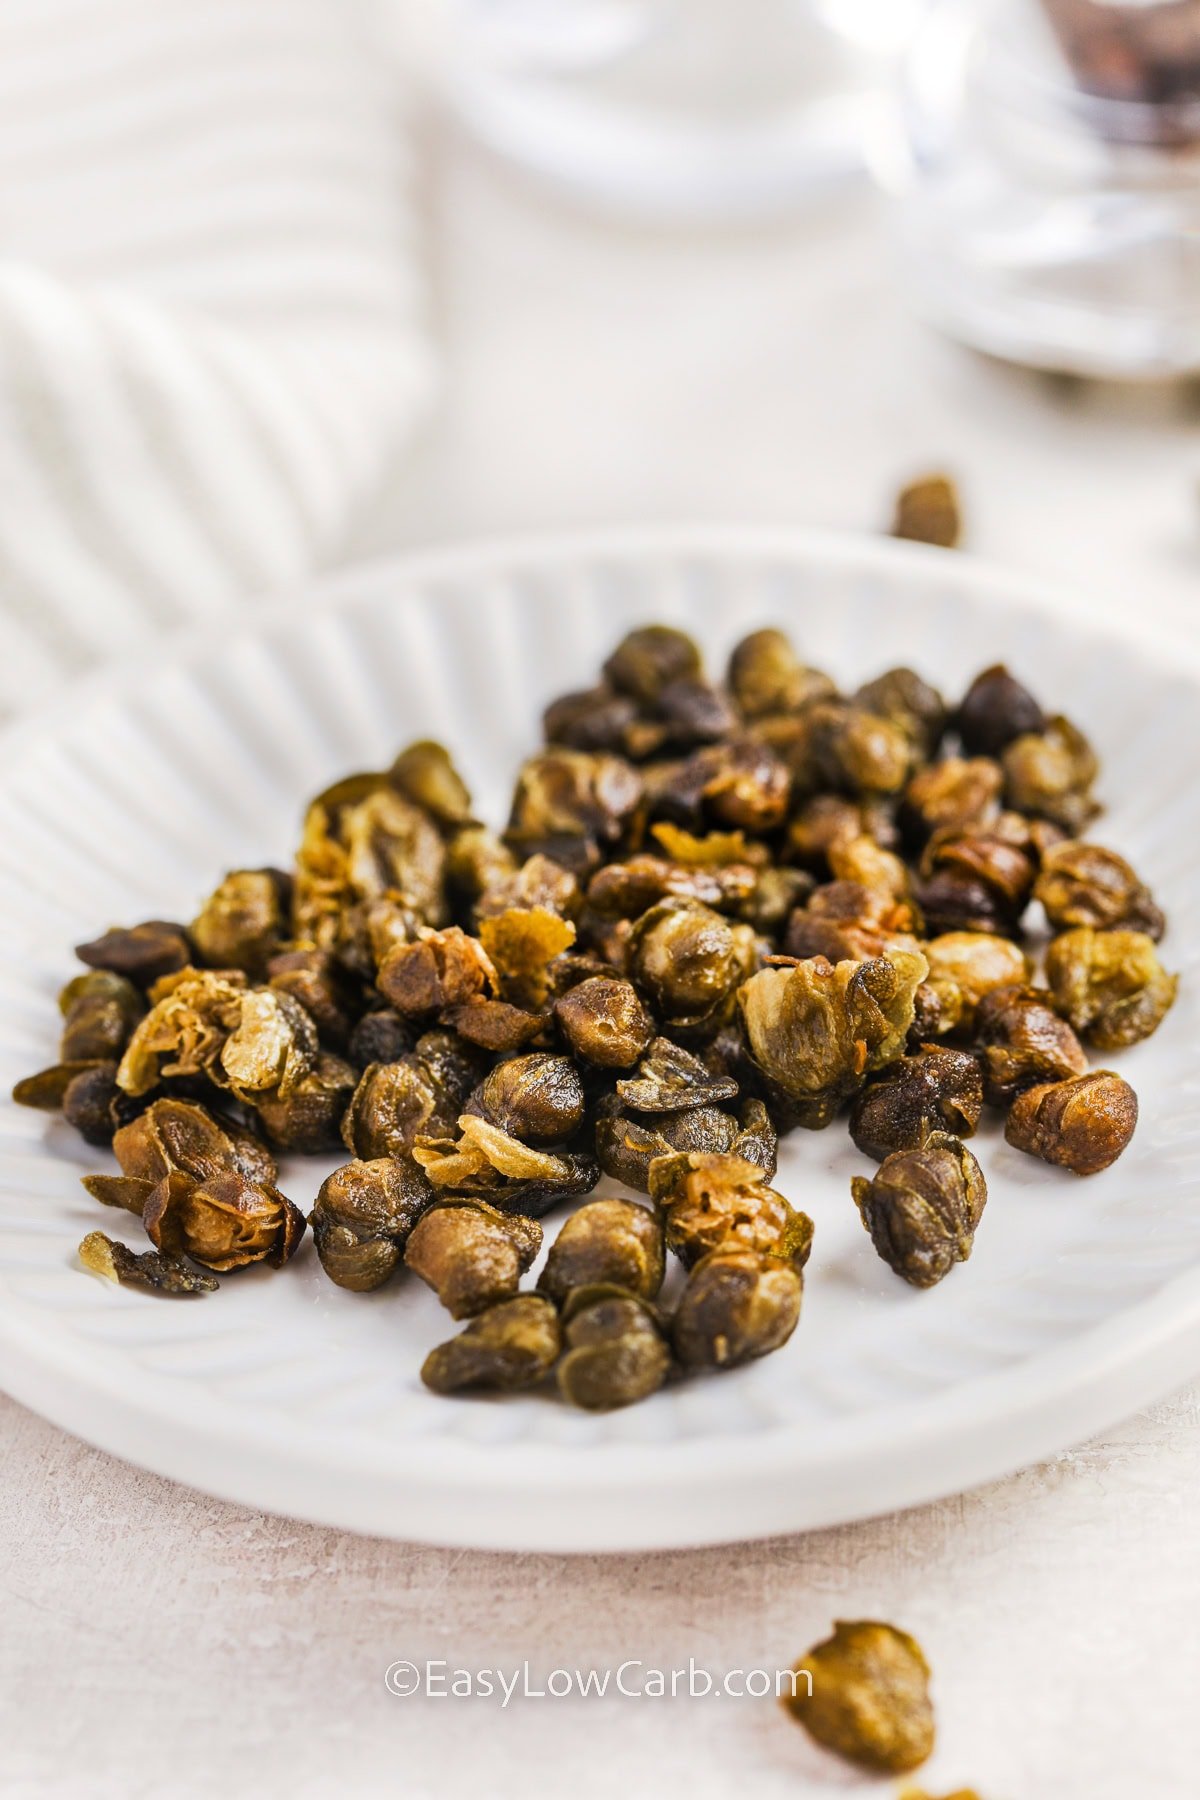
[(211, 337)]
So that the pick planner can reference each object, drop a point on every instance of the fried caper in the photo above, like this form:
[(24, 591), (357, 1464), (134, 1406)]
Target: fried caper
[(362, 1219), (994, 710), (152, 1269), (614, 1350), (1023, 1042), (970, 964), (512, 1345), (308, 1118), (953, 794), (670, 1079), (1084, 884), (689, 961), (224, 1222), (143, 953), (738, 1305), (470, 1254), (379, 1037), (816, 1030), (99, 1011), (538, 1099), (928, 512), (606, 1240), (908, 700), (604, 1022), (1082, 1124), (1048, 774), (934, 1090), (867, 1697), (721, 1202), (1110, 985), (646, 660), (766, 676), (922, 1207), (243, 920)]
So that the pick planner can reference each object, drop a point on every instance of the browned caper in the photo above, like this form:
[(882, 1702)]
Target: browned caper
[(922, 1208), (934, 1090), (512, 1345), (606, 1240), (471, 1255), (362, 1219), (1082, 1124), (738, 1305), (615, 1352), (864, 1694)]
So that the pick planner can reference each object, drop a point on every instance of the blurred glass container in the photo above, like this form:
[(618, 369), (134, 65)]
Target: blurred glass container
[(680, 109), (1051, 207)]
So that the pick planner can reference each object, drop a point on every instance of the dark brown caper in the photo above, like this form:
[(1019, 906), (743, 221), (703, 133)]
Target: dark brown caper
[(100, 1011), (362, 1219), (689, 961), (908, 700), (646, 660), (512, 1345), (922, 1207), (936, 1089), (953, 794), (606, 1241), (738, 1305), (470, 1254), (379, 1037), (224, 1222), (615, 1352), (670, 1079), (1082, 1124), (143, 953), (1084, 884), (89, 1103), (152, 1269), (864, 1694), (994, 710), (604, 1022), (538, 1099), (308, 1118), (242, 922), (766, 676), (1023, 1042), (1049, 775)]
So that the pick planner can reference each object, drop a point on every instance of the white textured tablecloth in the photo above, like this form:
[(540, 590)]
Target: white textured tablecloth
[(154, 1641)]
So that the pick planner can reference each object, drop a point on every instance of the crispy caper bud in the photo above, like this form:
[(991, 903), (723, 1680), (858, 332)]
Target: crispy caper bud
[(1082, 1124), (855, 751), (89, 1101), (928, 512), (606, 1240), (922, 1207), (523, 943), (905, 698), (627, 1146), (379, 1037), (316, 980), (476, 860), (689, 961), (1084, 884), (604, 1022), (512, 1345), (816, 1030), (443, 968), (173, 1135), (766, 676), (994, 710), (647, 659), (972, 963), (224, 1222), (100, 1011), (934, 1090), (1023, 1042), (243, 920), (869, 1698), (979, 879), (738, 1305), (1049, 774), (308, 1118), (362, 1218), (846, 920), (571, 807), (722, 1202), (470, 1254), (614, 1350), (670, 1079), (162, 1274), (425, 774), (739, 785), (538, 1099), (952, 794), (396, 1102), (596, 719), (1110, 985), (143, 953)]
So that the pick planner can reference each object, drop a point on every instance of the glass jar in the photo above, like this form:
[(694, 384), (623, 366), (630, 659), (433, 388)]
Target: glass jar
[(1048, 215)]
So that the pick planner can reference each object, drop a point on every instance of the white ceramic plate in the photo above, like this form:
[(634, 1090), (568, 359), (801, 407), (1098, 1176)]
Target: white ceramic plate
[(1082, 1300)]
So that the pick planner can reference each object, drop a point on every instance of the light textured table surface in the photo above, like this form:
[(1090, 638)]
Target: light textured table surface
[(154, 1641)]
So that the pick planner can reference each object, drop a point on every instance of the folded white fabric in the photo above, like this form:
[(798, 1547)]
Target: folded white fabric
[(211, 334)]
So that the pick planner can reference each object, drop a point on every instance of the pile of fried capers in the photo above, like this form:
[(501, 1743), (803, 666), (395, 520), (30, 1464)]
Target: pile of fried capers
[(718, 912)]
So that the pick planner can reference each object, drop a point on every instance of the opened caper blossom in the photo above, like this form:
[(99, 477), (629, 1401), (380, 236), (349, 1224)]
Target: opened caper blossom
[(719, 907)]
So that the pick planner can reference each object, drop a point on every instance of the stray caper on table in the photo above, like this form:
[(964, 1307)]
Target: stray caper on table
[(719, 911)]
